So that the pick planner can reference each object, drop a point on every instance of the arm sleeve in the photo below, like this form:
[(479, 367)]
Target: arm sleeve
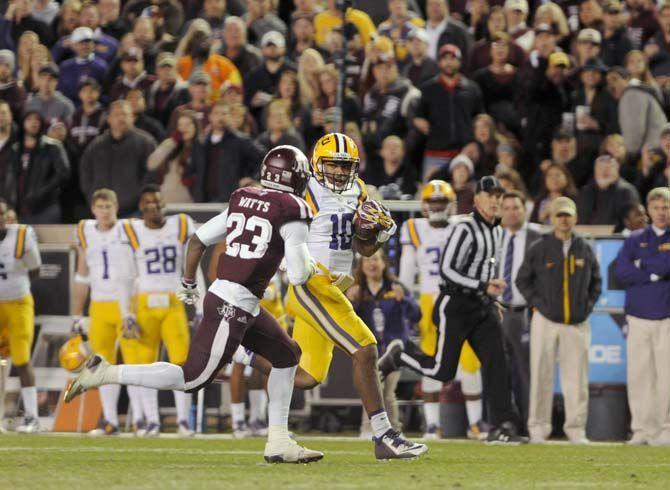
[(459, 242), (407, 266), (626, 271), (214, 230), (295, 234), (525, 279), (32, 258)]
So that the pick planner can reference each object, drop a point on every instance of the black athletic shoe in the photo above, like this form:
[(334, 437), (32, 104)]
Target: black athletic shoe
[(505, 434), (390, 360)]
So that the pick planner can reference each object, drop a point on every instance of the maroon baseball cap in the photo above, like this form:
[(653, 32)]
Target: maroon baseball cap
[(451, 49)]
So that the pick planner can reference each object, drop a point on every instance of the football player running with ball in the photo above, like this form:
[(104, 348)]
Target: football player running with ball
[(260, 227), (324, 317)]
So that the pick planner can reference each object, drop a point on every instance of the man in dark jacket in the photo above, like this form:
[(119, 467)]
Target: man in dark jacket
[(548, 97), (117, 159), (616, 42), (560, 280), (10, 90), (39, 169), (419, 67), (445, 110), (231, 160), (167, 92), (603, 201)]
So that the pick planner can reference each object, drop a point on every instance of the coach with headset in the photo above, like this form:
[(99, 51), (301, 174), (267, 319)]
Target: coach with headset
[(466, 310)]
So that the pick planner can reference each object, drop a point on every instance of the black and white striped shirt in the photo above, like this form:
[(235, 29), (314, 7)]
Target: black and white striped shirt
[(472, 253)]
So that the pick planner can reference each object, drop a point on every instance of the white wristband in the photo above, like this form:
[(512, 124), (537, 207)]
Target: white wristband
[(79, 279)]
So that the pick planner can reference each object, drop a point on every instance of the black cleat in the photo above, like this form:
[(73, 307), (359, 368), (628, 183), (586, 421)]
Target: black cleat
[(505, 434), (390, 360)]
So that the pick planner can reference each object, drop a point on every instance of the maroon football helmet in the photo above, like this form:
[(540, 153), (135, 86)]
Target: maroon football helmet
[(285, 168)]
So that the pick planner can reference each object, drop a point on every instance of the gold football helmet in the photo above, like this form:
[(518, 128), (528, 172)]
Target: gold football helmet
[(438, 199), (335, 162), (74, 353)]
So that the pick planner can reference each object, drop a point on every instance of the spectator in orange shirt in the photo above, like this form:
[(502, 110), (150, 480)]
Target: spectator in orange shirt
[(218, 67)]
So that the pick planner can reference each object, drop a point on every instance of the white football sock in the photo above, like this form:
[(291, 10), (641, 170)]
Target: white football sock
[(109, 397), (135, 397), (182, 402), (258, 404), (474, 410), (158, 375), (150, 405), (237, 413), (471, 386), (29, 397), (431, 412), (380, 423), (280, 392)]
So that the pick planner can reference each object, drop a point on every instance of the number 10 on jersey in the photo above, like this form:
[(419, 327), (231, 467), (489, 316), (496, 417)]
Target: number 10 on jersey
[(342, 231)]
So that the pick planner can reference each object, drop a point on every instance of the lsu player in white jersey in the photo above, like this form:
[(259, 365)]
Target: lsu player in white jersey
[(423, 240), (19, 263), (159, 245), (324, 317), (100, 257)]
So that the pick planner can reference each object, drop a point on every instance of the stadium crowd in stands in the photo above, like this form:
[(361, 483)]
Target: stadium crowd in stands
[(188, 94)]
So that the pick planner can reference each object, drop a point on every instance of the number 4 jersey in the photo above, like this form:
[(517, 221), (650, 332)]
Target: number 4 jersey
[(159, 253)]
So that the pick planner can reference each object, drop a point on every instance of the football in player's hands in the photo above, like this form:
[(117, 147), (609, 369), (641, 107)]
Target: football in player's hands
[(371, 217)]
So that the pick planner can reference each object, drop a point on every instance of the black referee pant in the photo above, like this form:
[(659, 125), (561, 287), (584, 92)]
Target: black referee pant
[(475, 319)]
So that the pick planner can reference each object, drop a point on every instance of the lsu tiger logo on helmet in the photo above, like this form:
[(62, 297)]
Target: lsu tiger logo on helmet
[(74, 353), (335, 162), (438, 199)]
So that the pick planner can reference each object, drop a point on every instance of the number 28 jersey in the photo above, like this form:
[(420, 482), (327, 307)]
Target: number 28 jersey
[(159, 253), (331, 233), (254, 245), (104, 251), (428, 243)]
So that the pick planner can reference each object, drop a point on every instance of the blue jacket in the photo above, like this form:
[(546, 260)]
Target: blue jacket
[(388, 318), (105, 48), (73, 70), (645, 298)]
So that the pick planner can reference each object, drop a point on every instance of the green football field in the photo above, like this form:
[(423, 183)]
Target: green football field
[(46, 462)]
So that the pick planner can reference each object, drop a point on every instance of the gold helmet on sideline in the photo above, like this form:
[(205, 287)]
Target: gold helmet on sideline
[(340, 150), (437, 197), (74, 353)]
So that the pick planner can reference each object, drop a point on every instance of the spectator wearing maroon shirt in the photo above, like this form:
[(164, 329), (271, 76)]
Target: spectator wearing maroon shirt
[(419, 67), (642, 23), (10, 91), (133, 75), (500, 85), (481, 51), (168, 91), (199, 90), (231, 160)]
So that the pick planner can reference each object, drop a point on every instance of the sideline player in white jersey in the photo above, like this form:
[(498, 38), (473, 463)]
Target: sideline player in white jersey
[(324, 317), (100, 257), (423, 240), (159, 247), (20, 262)]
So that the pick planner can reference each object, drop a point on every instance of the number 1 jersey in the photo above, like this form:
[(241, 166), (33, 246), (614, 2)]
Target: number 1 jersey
[(331, 233), (159, 253), (105, 253)]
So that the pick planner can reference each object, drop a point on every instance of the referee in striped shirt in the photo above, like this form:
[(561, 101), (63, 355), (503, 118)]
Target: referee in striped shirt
[(466, 310)]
